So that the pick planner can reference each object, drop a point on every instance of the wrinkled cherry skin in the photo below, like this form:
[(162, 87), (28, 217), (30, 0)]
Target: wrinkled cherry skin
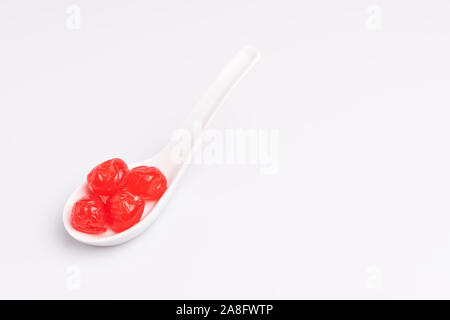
[(123, 210), (108, 177), (147, 182), (88, 215)]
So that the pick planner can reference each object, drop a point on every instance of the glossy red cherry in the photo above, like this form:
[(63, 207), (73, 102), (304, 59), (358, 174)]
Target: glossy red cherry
[(88, 215), (108, 177), (147, 182), (123, 210)]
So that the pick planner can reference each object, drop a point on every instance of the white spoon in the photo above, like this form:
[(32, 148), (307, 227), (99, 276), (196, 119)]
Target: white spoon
[(197, 121)]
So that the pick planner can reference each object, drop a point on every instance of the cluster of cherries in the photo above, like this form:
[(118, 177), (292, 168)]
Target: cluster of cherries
[(117, 196)]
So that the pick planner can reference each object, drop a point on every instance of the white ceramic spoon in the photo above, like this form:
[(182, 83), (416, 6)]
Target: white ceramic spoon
[(196, 122)]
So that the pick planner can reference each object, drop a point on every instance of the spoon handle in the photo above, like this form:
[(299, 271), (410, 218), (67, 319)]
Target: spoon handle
[(214, 96), (171, 161)]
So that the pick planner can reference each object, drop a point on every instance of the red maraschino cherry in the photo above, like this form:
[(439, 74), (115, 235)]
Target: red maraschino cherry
[(88, 215), (147, 182), (123, 210), (108, 177)]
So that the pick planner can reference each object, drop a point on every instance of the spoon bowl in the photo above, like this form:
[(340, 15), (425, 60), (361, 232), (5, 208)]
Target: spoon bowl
[(110, 238), (171, 165)]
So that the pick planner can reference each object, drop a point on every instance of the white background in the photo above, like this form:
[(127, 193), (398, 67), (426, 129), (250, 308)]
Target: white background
[(358, 209)]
